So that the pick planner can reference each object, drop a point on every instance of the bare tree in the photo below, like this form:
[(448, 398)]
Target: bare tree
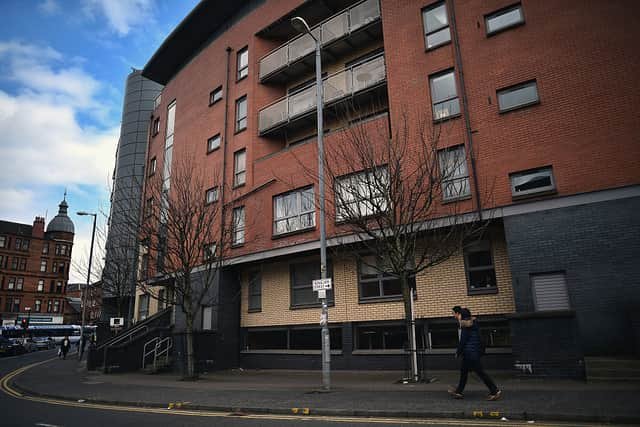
[(388, 187), (185, 238)]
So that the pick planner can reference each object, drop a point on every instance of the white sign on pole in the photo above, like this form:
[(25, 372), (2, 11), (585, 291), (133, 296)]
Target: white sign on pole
[(322, 293), (116, 322), (320, 284)]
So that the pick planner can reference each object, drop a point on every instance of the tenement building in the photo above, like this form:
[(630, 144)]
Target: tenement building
[(538, 99), (34, 269)]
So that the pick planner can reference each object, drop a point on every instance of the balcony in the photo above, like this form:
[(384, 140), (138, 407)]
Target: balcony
[(353, 82), (339, 34)]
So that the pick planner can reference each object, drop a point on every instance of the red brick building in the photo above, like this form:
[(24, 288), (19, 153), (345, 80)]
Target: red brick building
[(539, 97), (34, 269)]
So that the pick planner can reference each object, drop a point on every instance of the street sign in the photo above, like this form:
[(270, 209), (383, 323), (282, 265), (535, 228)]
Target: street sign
[(320, 284), (116, 322), (322, 293)]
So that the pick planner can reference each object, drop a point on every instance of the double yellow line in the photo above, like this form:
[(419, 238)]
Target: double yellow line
[(5, 384)]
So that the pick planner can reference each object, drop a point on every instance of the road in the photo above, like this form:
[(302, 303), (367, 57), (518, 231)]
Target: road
[(21, 411)]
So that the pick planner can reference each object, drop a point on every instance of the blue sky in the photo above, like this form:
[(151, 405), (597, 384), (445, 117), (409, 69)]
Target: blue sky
[(63, 65)]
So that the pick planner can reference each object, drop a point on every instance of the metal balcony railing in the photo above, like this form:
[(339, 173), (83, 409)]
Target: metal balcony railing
[(340, 85), (331, 29)]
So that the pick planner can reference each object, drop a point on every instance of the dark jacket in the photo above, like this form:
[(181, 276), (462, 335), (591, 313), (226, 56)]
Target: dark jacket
[(470, 346)]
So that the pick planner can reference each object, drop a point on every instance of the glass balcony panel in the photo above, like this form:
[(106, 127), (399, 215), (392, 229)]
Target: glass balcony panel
[(302, 101), (364, 13), (337, 86), (335, 28), (273, 115), (274, 61), (368, 74), (303, 45)]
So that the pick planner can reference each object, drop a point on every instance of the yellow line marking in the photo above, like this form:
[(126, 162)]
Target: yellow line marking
[(6, 387)]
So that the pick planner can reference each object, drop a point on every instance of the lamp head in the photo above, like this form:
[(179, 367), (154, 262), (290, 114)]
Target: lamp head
[(300, 25)]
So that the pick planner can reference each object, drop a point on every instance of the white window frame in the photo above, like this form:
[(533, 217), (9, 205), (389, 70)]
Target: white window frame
[(241, 121), (238, 226), (503, 13), (240, 167), (355, 191), (211, 195), (546, 170), (214, 142), (215, 95), (451, 102), (293, 220), (459, 174), (440, 29), (500, 94), (40, 286), (210, 250), (242, 63)]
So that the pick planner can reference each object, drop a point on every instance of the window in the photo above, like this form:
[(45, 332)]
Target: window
[(19, 283), (302, 275), (12, 283), (442, 335), (518, 96), (241, 114), (444, 95), (18, 243), (243, 63), (239, 167), (49, 306), (454, 175), (143, 307), (238, 226), (374, 283), (210, 250), (16, 305), (57, 249), (43, 265), (23, 264), (52, 286), (362, 194), (152, 166), (148, 207), (550, 291), (40, 287), (211, 195), (495, 333), (161, 299), (215, 95), (58, 287), (156, 127), (14, 263), (532, 182), (207, 318), (503, 19), (3, 241), (37, 305), (294, 211), (2, 258), (385, 337), (25, 244), (54, 267), (481, 275), (56, 306), (213, 143), (293, 338), (255, 291), (45, 248), (144, 267), (436, 25)]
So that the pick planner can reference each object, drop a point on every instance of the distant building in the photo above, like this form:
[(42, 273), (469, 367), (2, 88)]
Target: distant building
[(93, 301), (34, 269)]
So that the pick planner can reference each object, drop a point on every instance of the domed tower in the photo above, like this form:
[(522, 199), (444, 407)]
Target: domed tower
[(61, 223)]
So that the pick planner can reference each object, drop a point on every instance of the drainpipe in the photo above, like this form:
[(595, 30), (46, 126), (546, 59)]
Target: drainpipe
[(224, 151), (465, 108)]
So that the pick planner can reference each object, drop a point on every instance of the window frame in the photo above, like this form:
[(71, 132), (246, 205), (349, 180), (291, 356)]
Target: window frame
[(293, 305), (454, 178), (434, 103), (238, 229), (207, 253), (500, 12), (213, 190), (215, 95), (357, 198), (479, 246), (241, 122), (242, 70), (254, 289), (549, 189), (298, 211), (380, 279), (514, 88), (3, 241), (239, 173), (152, 166), (427, 33), (215, 137), (155, 129)]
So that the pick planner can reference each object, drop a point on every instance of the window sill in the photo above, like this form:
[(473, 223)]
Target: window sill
[(485, 291), (542, 193), (237, 245), (211, 151), (254, 310), (211, 203), (374, 300), (300, 352), (518, 107), (238, 186), (239, 131), (214, 102), (502, 30), (456, 199), (395, 351), (242, 78), (432, 48), (292, 233), (446, 119), (306, 306)]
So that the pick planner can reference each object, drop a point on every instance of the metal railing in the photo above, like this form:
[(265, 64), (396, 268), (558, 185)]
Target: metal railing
[(335, 87), (337, 26), (159, 348)]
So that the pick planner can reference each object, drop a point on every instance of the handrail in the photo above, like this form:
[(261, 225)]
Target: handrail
[(157, 351), (134, 329), (153, 341)]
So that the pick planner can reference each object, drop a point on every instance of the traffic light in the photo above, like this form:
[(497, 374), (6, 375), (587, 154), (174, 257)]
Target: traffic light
[(24, 323)]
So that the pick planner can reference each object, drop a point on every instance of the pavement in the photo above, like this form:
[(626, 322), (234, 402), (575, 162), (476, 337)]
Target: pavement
[(353, 393)]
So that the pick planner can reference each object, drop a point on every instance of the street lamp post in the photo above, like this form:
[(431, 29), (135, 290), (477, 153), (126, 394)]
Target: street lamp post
[(84, 292), (28, 310), (301, 26)]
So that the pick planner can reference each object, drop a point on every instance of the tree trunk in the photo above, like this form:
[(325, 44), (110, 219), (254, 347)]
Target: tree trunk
[(413, 354), (191, 372)]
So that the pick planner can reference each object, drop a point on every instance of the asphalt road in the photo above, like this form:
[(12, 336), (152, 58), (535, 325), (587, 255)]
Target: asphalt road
[(21, 412)]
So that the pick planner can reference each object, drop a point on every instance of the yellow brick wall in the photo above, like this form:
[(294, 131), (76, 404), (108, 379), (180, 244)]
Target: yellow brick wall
[(438, 289), (153, 302)]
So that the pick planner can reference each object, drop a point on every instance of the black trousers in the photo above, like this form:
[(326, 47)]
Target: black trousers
[(475, 366)]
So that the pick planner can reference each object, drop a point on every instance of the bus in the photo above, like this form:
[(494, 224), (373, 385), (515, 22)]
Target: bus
[(55, 332)]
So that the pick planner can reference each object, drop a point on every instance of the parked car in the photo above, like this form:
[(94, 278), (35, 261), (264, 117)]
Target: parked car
[(6, 348), (29, 345), (44, 343)]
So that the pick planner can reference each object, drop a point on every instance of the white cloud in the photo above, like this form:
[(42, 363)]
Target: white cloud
[(49, 7), (122, 15)]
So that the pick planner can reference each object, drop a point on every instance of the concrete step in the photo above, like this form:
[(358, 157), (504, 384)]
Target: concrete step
[(612, 369)]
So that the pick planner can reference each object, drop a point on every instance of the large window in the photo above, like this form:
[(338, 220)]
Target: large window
[(454, 175), (381, 337), (481, 274), (293, 211), (436, 25), (241, 114), (302, 276), (292, 338), (518, 96), (362, 194), (504, 19), (255, 291), (143, 307), (550, 291), (243, 63), (533, 181), (239, 167), (238, 226), (375, 283), (444, 95)]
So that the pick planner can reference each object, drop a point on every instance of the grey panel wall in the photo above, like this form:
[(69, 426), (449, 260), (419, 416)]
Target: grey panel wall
[(597, 246), (128, 176)]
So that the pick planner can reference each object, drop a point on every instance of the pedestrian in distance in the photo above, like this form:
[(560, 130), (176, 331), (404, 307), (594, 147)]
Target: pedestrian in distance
[(65, 345), (471, 349)]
